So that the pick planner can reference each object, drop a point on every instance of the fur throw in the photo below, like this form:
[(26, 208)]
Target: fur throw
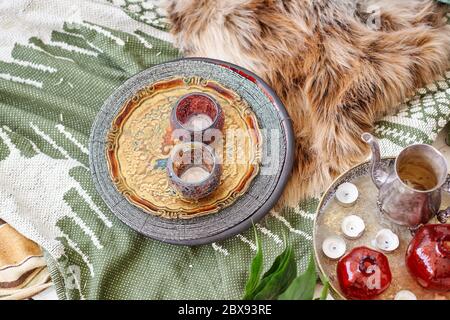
[(337, 65)]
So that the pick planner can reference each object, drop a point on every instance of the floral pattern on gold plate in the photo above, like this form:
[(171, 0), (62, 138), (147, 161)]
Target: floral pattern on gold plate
[(139, 142)]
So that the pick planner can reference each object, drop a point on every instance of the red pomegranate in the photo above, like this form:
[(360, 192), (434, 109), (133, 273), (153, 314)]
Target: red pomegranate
[(363, 273), (428, 257)]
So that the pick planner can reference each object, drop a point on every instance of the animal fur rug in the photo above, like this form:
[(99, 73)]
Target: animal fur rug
[(337, 65)]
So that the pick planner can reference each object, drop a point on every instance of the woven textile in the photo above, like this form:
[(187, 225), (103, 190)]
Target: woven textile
[(23, 271), (59, 60)]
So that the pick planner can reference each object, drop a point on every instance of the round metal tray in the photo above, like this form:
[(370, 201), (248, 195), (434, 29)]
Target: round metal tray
[(276, 160), (328, 222)]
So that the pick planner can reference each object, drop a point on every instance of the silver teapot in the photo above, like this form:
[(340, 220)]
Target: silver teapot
[(410, 192)]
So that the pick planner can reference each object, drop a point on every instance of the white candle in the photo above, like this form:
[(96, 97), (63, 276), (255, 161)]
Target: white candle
[(386, 240), (334, 247), (194, 175), (198, 122), (353, 226), (347, 194), (405, 295)]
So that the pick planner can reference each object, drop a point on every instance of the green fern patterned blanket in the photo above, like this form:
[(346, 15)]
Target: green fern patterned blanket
[(59, 60)]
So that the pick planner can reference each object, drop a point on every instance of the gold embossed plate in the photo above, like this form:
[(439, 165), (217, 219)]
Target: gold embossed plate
[(328, 222), (131, 140), (139, 143)]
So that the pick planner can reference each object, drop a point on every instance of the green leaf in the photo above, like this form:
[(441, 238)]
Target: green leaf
[(255, 270), (278, 278), (277, 263), (326, 286), (324, 294), (302, 288), (444, 1)]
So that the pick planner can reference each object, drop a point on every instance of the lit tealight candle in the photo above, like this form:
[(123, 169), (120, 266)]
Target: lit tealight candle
[(386, 240), (194, 175), (334, 247), (353, 227), (347, 194), (405, 295), (198, 122)]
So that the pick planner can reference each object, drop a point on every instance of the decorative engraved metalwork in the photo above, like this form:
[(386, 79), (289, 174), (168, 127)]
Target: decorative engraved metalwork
[(328, 221), (140, 140)]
